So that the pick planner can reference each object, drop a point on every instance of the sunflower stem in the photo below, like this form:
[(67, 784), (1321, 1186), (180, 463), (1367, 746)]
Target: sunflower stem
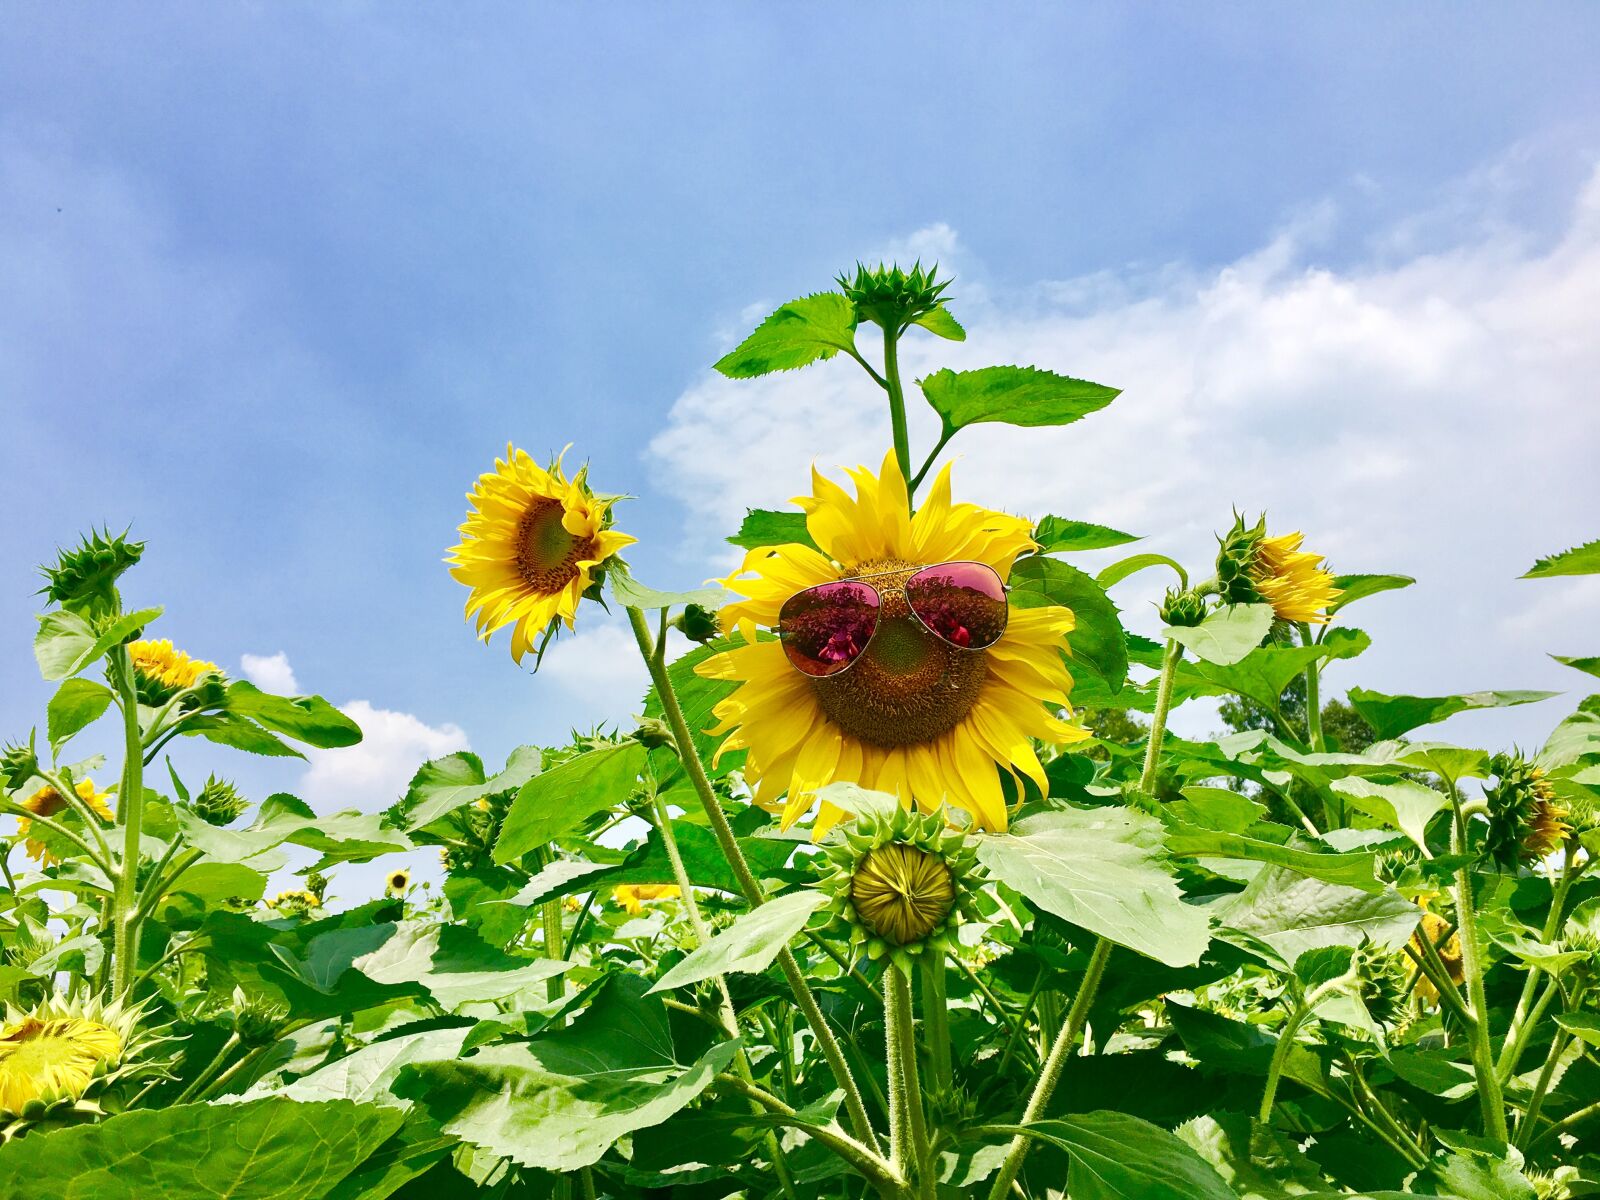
[(1050, 1073), (897, 402), (748, 885), (209, 1072), (936, 1020), (1490, 1099), (1158, 719), (905, 1091), (1280, 1059), (1313, 699), (130, 815), (1521, 1025)]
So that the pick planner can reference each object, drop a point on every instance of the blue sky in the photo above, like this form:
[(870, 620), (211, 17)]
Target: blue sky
[(281, 279)]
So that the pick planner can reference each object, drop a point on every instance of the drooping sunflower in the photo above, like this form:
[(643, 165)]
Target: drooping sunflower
[(161, 671), (531, 546), (915, 717), (1253, 567), (632, 896), (47, 802), (58, 1059)]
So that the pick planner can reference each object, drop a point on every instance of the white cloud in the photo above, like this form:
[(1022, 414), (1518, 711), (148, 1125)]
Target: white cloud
[(270, 673), (600, 671), (373, 774), (1431, 415)]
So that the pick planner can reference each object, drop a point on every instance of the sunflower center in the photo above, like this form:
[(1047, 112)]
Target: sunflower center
[(908, 687), (902, 893), (548, 555)]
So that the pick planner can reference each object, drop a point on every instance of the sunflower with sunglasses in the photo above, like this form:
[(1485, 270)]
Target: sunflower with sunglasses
[(898, 662)]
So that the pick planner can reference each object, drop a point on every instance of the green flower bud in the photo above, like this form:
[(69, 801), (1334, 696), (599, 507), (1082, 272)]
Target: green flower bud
[(892, 297), (1183, 609), (653, 732), (84, 580), (18, 765), (219, 802), (696, 623)]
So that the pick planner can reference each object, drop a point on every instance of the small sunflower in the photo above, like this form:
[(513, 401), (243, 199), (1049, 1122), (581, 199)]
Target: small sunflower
[(160, 671), (915, 717), (632, 896), (531, 547), (1252, 567), (294, 902), (396, 882), (56, 1058), (1526, 821), (1433, 927), (47, 802)]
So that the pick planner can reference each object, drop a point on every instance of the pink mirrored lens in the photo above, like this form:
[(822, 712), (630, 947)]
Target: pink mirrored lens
[(962, 602), (825, 628)]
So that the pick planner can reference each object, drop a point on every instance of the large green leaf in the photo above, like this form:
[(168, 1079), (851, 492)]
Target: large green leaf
[(1118, 1157), (560, 1101), (1057, 534), (1589, 666), (445, 784), (1096, 643), (232, 729), (557, 802), (1264, 673), (1404, 805), (451, 961), (1105, 870), (1256, 1161), (66, 643), (1391, 716), (1015, 395), (348, 836), (273, 1149), (76, 704), (1580, 560), (1292, 913), (763, 527), (1226, 635), (750, 944), (1347, 870), (630, 593), (365, 1074), (798, 333), (1576, 738), (308, 719)]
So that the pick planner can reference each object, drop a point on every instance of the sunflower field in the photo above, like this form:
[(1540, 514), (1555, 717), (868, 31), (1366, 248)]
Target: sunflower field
[(898, 887)]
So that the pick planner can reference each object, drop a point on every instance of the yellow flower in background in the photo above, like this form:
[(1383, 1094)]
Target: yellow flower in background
[(913, 716), (47, 802), (530, 547), (396, 882), (161, 671), (1433, 927), (1253, 567), (632, 896)]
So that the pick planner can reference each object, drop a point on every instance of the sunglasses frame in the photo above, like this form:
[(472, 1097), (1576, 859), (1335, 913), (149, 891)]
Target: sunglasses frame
[(1005, 590)]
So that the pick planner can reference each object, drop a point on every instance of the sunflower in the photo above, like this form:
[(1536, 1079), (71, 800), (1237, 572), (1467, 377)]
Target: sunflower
[(531, 547), (396, 882), (1526, 820), (633, 895), (160, 671), (1253, 567), (1434, 927), (54, 1056), (47, 802), (914, 717)]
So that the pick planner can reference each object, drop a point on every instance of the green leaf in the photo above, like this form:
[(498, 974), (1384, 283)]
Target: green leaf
[(230, 729), (1583, 1026), (557, 802), (1057, 534), (1581, 560), (749, 945), (1577, 737), (272, 1149), (1227, 634), (560, 1101), (1230, 1047), (764, 527), (938, 320), (1122, 569), (1589, 666), (1346, 870), (1024, 396), (1358, 587), (1404, 805), (1118, 1157), (1105, 870), (308, 719), (797, 334), (1255, 1160), (66, 643), (1265, 672), (1096, 642), (364, 1075), (1291, 913), (344, 836), (630, 593), (77, 704), (698, 696), (445, 784), (1391, 716), (451, 961)]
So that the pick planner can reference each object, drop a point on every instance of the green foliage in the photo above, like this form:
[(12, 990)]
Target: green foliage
[(1391, 716), (1014, 395), (1056, 535), (1096, 640), (763, 527), (799, 333), (1580, 560)]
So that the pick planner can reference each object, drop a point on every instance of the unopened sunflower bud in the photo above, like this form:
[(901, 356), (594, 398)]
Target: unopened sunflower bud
[(317, 884), (84, 580), (219, 802), (1183, 609), (891, 296), (1381, 984), (1525, 820), (18, 765), (652, 732), (258, 1020), (696, 623)]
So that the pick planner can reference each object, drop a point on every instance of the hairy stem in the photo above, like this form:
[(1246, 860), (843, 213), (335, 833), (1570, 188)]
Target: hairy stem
[(1313, 697), (130, 815), (936, 1020), (897, 402), (1158, 720), (1280, 1058), (1490, 1100), (1050, 1074), (655, 662)]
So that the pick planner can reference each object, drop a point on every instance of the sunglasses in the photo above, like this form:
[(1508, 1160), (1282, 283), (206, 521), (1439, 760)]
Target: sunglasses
[(826, 628)]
